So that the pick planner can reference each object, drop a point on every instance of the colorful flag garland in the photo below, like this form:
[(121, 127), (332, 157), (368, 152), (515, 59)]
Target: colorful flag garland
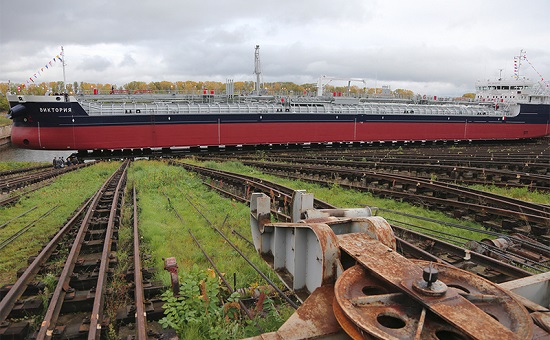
[(517, 62), (46, 66)]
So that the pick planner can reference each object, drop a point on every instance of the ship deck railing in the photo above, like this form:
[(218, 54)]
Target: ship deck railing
[(95, 108)]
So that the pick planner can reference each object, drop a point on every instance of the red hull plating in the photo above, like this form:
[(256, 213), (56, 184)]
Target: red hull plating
[(157, 136)]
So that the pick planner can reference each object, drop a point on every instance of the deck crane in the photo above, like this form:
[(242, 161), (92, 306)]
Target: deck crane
[(323, 82)]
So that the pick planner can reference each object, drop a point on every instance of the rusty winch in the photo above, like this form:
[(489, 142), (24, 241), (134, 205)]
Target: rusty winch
[(344, 267)]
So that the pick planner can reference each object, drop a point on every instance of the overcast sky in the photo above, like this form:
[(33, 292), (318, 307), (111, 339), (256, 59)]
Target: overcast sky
[(431, 47)]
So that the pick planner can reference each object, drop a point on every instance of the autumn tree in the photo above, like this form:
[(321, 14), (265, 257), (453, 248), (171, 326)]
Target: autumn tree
[(136, 85), (404, 94), (4, 106)]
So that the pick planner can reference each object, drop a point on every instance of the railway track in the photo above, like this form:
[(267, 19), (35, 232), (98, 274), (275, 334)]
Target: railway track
[(16, 179), (508, 160), (499, 156), (511, 214), (11, 172), (240, 187), (306, 267), (359, 286), (437, 170), (497, 265), (76, 305)]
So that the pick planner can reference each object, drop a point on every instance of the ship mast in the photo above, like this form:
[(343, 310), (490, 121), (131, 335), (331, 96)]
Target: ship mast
[(257, 69), (517, 63), (63, 63)]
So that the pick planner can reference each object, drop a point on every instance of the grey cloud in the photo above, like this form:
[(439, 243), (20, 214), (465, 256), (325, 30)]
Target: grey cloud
[(421, 44), (95, 63), (127, 61)]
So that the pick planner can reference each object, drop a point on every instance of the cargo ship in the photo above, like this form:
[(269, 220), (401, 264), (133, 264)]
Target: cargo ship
[(511, 109)]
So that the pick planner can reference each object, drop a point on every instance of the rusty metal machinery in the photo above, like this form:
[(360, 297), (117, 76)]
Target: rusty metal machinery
[(343, 265)]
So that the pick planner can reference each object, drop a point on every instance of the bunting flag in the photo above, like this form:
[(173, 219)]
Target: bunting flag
[(517, 63), (533, 67), (46, 66)]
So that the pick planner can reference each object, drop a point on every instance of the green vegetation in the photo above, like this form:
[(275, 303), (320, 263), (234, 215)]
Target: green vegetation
[(517, 193), (3, 119), (164, 190), (4, 166), (66, 194), (344, 198), (118, 285), (205, 309), (197, 311)]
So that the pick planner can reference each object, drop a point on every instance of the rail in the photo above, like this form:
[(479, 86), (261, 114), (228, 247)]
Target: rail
[(240, 187), (182, 108)]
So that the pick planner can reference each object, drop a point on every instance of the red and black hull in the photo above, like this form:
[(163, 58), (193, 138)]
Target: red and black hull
[(62, 129)]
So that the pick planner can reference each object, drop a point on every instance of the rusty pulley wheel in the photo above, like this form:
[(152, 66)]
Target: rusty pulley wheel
[(366, 306)]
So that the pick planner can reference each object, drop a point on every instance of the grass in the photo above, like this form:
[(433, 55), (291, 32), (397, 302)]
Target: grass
[(4, 166), (344, 198), (163, 190), (67, 192), (4, 120), (517, 193), (167, 236), (163, 234)]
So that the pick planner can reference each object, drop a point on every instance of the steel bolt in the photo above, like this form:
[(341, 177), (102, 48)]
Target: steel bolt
[(430, 275)]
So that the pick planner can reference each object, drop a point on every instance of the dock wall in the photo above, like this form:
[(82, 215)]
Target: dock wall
[(5, 134)]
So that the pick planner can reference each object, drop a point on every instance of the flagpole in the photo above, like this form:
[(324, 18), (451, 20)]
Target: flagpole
[(63, 62)]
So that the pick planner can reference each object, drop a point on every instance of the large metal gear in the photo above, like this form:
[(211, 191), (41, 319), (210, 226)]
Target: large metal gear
[(346, 260), (368, 306)]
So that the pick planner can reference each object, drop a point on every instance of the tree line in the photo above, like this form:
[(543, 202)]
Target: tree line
[(190, 86), (193, 87)]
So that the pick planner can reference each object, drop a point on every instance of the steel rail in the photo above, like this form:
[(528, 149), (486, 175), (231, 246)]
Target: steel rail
[(22, 170), (220, 274), (459, 171), (521, 206), (268, 280), (521, 210), (50, 318), (15, 198), (489, 262), (504, 268), (7, 303), (222, 277), (99, 299), (11, 184), (18, 216), (141, 322), (510, 256), (422, 159), (545, 250), (21, 231)]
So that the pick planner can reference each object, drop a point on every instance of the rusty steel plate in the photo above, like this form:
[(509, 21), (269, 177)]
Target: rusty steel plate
[(368, 305), (377, 296)]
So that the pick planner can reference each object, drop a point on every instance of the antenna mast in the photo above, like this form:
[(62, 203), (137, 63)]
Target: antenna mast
[(517, 63), (257, 69), (63, 63)]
